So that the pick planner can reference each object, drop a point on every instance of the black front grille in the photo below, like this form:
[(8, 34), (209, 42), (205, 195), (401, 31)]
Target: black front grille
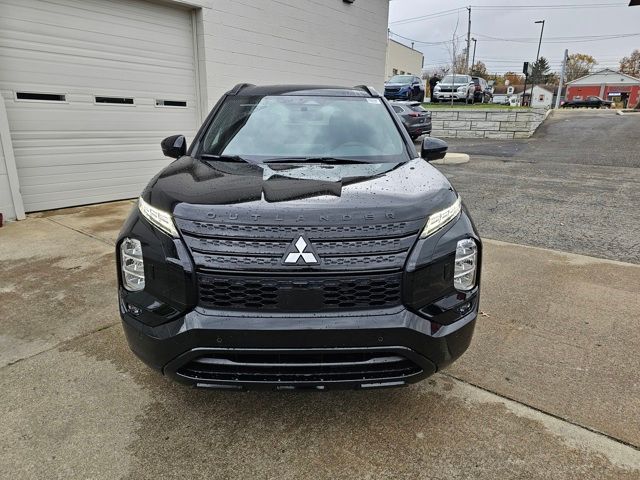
[(299, 293), (300, 367), (233, 247)]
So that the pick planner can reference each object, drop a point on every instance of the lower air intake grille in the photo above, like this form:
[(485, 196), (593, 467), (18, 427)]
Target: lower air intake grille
[(299, 294), (303, 367)]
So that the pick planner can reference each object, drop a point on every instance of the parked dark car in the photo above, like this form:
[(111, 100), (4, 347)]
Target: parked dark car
[(482, 91), (589, 102), (299, 242), (404, 87), (456, 88), (416, 120)]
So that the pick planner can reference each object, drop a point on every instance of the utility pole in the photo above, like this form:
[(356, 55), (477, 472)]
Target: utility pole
[(533, 80), (475, 43), (468, 38), (562, 72)]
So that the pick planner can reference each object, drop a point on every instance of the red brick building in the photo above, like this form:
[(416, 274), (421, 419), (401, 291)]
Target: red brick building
[(607, 84)]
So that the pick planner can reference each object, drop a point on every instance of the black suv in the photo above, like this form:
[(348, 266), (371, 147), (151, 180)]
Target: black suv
[(299, 242), (482, 91)]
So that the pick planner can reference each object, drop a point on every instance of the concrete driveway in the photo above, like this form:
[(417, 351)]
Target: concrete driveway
[(549, 389)]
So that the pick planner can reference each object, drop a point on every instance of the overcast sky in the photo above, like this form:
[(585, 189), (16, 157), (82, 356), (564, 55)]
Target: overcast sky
[(608, 18)]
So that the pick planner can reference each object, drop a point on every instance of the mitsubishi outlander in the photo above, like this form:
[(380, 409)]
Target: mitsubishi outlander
[(299, 242)]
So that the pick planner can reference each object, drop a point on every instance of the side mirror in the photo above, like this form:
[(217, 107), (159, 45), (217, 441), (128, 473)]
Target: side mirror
[(174, 146), (433, 149)]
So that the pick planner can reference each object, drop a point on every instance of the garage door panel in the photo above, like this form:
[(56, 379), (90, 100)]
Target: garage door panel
[(54, 140), (90, 21), (161, 15), (91, 57), (69, 181), (127, 149), (114, 119), (95, 169), (79, 151), (105, 74), (98, 155), (50, 38), (70, 188), (132, 157), (84, 198)]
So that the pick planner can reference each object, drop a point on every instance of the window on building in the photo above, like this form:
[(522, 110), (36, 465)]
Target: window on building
[(115, 100), (541, 97), (41, 97), (401, 72), (395, 71)]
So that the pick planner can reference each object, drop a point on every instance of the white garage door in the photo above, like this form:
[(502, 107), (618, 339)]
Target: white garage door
[(91, 87)]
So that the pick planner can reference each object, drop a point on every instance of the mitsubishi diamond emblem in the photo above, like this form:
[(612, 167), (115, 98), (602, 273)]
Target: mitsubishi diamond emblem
[(301, 250)]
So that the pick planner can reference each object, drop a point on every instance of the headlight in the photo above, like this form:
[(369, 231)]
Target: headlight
[(436, 88), (439, 219), (462, 89), (464, 275), (132, 264), (158, 218)]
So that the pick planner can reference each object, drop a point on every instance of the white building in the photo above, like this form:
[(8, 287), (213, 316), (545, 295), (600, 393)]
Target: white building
[(542, 96), (403, 60), (89, 88)]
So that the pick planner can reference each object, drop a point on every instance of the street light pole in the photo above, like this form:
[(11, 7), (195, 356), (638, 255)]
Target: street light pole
[(475, 43), (537, 58)]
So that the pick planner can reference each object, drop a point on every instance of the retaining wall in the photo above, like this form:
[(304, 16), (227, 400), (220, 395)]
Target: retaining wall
[(470, 123)]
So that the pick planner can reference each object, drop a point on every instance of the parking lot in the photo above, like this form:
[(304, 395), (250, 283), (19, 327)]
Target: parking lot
[(549, 388)]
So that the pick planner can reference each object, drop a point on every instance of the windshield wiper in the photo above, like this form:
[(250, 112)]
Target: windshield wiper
[(223, 158), (334, 160)]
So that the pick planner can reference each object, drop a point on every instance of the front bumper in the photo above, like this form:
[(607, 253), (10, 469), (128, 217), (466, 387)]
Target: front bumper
[(440, 96), (168, 327), (397, 95), (421, 348)]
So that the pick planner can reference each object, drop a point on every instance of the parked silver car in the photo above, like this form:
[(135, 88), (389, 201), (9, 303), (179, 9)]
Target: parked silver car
[(456, 87)]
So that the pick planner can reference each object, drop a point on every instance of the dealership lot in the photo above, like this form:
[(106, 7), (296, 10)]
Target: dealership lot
[(548, 389)]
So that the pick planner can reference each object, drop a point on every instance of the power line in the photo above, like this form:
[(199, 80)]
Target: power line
[(423, 42), (455, 11), (553, 7), (578, 39), (444, 13)]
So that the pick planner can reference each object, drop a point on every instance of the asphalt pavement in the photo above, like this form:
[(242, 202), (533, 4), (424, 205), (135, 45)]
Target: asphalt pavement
[(574, 186)]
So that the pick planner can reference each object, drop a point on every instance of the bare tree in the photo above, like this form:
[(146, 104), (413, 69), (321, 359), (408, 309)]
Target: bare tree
[(579, 65)]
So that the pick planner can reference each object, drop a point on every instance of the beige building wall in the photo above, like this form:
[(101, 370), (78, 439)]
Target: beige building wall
[(402, 60)]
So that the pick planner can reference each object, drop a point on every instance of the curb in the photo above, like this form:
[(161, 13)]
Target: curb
[(453, 159)]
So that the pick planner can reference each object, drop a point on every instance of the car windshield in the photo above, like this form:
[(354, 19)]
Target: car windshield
[(455, 79), (400, 79), (260, 128)]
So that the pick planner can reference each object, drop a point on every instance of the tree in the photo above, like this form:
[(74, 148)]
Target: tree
[(514, 78), (541, 71), (479, 69), (631, 64), (579, 65)]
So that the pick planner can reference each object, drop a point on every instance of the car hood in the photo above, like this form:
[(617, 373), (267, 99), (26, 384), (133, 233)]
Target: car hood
[(394, 85), (457, 84), (299, 193)]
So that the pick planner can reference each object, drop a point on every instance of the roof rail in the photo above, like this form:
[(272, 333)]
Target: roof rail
[(370, 90), (239, 87)]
